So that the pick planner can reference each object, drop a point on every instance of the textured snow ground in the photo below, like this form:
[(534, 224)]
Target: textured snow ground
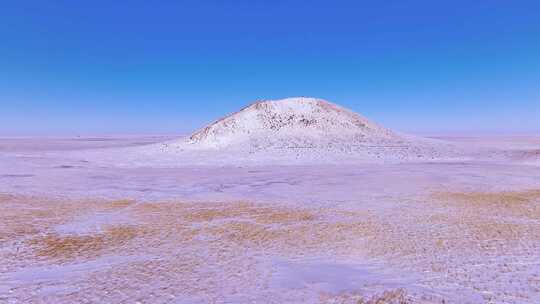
[(83, 221)]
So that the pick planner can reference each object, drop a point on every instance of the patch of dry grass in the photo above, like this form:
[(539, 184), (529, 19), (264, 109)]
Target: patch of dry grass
[(525, 204), (396, 296), (262, 214), (285, 216), (72, 246), (220, 215), (250, 225), (206, 214), (504, 198), (22, 217), (119, 204)]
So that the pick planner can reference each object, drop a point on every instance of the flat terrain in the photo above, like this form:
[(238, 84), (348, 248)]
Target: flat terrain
[(81, 222)]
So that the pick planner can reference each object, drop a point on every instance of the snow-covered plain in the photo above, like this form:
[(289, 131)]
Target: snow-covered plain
[(298, 201)]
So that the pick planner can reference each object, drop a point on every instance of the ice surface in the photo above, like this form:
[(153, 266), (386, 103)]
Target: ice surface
[(331, 277)]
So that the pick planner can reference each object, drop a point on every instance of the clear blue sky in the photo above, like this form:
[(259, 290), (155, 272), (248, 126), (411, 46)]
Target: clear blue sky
[(94, 67)]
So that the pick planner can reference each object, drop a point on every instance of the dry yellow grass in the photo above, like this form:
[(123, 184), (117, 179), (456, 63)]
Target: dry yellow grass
[(214, 214), (505, 198), (262, 214), (247, 225), (195, 235), (22, 217), (71, 246), (119, 204), (262, 226), (210, 214), (524, 203), (396, 296), (285, 216)]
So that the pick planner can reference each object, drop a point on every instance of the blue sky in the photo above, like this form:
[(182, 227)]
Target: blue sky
[(109, 67)]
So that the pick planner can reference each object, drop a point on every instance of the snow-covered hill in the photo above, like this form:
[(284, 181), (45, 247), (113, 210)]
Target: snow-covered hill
[(297, 130), (290, 123)]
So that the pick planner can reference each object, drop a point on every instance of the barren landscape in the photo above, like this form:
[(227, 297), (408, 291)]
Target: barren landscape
[(291, 201)]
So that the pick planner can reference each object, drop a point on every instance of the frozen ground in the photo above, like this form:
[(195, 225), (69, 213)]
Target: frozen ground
[(102, 220)]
